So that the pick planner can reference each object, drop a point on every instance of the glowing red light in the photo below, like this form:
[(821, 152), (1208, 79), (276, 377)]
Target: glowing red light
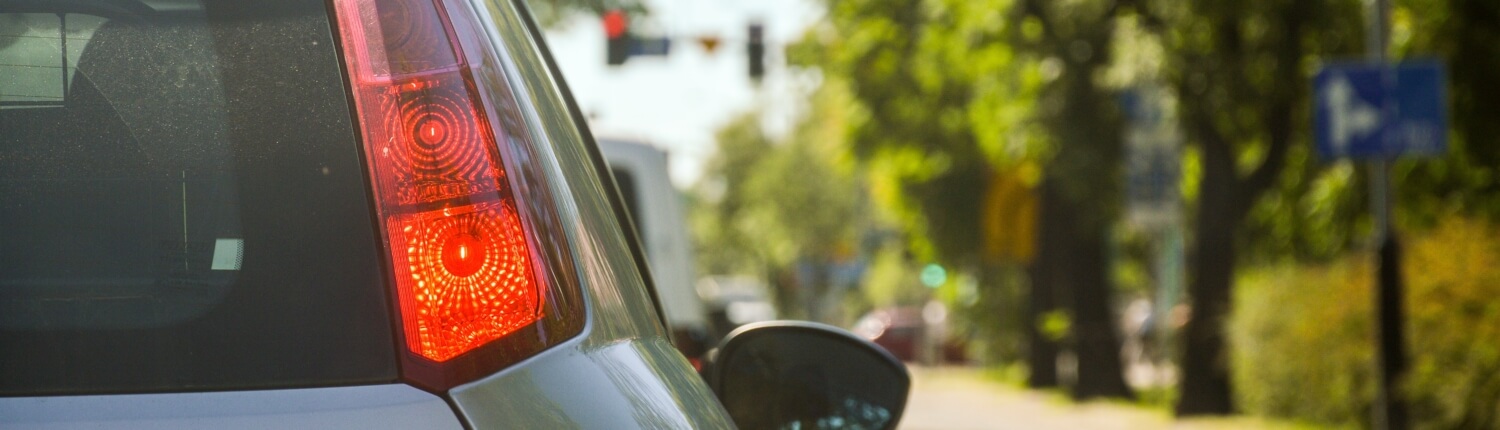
[(443, 150), (431, 132), (614, 24), (464, 275), (463, 253), (468, 278)]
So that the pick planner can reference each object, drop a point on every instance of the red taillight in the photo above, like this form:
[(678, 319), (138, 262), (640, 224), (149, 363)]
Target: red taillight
[(463, 265), (463, 277)]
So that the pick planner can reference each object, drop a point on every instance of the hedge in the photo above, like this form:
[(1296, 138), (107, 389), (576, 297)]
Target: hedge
[(1302, 340)]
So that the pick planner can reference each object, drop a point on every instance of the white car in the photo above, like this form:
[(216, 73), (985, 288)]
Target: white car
[(343, 214)]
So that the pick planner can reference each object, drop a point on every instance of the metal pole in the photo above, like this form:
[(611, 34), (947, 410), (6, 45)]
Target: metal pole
[(1169, 272), (1390, 408)]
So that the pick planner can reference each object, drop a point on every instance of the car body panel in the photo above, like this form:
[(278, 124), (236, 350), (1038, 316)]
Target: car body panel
[(618, 299), (622, 372), (360, 407), (628, 384)]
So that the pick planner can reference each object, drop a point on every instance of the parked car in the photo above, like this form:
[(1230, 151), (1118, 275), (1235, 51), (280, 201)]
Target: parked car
[(640, 172), (907, 331), (734, 301), (341, 214)]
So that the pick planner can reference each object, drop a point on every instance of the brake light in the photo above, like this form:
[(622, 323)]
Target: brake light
[(463, 266)]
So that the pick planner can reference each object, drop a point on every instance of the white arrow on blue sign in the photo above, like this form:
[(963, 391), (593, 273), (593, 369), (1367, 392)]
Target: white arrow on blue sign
[(1366, 110)]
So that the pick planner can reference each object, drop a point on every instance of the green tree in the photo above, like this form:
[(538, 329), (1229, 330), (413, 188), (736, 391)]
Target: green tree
[(772, 206), (1080, 191), (1240, 71), (947, 101), (721, 196), (1461, 33)]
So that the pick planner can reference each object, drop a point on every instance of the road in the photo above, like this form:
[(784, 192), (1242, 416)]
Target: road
[(961, 399)]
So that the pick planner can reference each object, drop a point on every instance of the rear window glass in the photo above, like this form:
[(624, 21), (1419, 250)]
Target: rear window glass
[(182, 204)]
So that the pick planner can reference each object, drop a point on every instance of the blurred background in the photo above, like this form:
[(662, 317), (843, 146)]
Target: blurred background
[(1084, 199)]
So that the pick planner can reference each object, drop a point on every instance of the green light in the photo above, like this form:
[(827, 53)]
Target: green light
[(933, 275)]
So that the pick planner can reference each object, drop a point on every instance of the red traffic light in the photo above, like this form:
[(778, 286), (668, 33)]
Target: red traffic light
[(614, 24)]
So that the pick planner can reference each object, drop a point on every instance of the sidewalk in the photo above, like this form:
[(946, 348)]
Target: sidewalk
[(961, 399)]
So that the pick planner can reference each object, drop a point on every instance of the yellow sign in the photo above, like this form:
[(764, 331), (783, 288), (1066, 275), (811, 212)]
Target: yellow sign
[(709, 43), (1010, 216)]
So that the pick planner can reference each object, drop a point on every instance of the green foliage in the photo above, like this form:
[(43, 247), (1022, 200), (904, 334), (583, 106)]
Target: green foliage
[(941, 100), (1461, 33), (1056, 325), (804, 205), (720, 199), (1317, 212), (765, 206), (992, 317), (944, 93), (1303, 341), (1318, 209), (1238, 85), (891, 280)]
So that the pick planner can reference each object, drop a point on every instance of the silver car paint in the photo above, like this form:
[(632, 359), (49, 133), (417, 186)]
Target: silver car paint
[(363, 407), (623, 372)]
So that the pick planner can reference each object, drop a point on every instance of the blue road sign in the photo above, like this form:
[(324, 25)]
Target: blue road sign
[(1364, 110), (1153, 157), (650, 46)]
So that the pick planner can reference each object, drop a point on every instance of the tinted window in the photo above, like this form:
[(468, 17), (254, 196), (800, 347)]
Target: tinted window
[(182, 205)]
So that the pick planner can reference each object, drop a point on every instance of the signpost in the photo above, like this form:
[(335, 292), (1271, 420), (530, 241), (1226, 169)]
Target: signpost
[(1153, 158), (1377, 112), (1372, 110), (1010, 211), (650, 46), (1153, 173)]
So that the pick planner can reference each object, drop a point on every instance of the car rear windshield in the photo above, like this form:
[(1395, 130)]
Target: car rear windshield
[(182, 203)]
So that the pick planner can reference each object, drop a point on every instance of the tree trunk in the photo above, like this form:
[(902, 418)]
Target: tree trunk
[(1205, 364), (1088, 162), (1096, 342), (1083, 173), (1087, 190), (1041, 354)]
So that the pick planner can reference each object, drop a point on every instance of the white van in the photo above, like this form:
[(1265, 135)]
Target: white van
[(640, 171)]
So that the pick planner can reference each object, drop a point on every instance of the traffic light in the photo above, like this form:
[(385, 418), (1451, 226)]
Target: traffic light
[(757, 49), (617, 38)]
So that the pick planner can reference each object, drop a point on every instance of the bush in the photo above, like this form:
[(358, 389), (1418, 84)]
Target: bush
[(1303, 345)]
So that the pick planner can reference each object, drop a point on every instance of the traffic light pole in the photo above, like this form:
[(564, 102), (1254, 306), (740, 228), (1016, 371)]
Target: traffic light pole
[(1390, 407), (756, 48)]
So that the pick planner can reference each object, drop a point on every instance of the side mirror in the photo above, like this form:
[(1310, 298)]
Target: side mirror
[(804, 375)]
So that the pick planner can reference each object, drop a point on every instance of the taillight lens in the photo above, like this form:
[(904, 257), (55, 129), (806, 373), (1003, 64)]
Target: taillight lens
[(463, 265)]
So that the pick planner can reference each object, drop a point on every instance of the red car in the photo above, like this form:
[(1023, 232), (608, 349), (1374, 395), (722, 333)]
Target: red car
[(902, 331)]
